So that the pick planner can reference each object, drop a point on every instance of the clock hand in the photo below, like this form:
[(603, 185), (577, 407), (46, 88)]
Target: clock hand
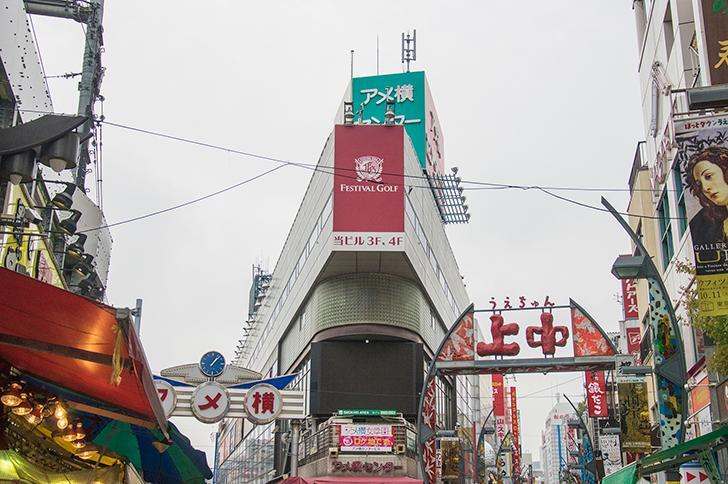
[(215, 360)]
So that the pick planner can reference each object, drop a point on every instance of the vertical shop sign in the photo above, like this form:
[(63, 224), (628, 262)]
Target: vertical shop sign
[(715, 15), (596, 394), (635, 417), (499, 406), (702, 152), (629, 299), (369, 188), (515, 430)]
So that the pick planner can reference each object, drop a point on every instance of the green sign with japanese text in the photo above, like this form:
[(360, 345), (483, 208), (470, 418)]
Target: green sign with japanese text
[(409, 94), (366, 413)]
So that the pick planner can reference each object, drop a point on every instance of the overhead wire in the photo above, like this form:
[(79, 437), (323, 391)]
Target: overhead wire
[(548, 190)]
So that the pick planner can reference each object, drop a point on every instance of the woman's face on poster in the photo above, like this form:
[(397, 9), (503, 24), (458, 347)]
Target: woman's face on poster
[(712, 182)]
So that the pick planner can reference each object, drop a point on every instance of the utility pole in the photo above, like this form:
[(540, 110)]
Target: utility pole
[(90, 84), (91, 13)]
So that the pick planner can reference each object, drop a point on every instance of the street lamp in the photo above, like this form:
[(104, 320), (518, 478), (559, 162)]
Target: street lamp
[(51, 135), (667, 349), (632, 267)]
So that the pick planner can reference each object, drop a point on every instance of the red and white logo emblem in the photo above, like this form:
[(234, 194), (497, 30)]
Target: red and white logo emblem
[(263, 403), (369, 168), (210, 402), (167, 396)]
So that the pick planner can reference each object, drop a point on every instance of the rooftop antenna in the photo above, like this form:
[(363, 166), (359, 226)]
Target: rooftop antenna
[(352, 63), (377, 54), (409, 48)]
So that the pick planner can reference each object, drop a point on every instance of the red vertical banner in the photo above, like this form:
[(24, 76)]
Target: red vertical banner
[(629, 299), (596, 394), (368, 188), (516, 432), (499, 406), (634, 338)]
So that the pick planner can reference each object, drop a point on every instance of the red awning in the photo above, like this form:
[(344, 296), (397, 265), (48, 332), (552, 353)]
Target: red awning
[(68, 341), (351, 480)]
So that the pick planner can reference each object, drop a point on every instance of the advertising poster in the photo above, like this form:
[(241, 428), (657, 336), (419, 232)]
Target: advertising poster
[(715, 13), (611, 453), (702, 152), (634, 339), (369, 188), (596, 394), (635, 417), (366, 438)]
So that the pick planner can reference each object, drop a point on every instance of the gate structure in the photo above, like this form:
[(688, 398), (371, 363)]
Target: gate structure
[(557, 339)]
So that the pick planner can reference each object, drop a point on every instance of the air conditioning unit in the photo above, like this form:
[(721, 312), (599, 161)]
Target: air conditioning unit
[(333, 451), (399, 449)]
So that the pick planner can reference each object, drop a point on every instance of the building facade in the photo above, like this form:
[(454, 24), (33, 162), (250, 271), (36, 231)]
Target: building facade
[(678, 51), (363, 292)]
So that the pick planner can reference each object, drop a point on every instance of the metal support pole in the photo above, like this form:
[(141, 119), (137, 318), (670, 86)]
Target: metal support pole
[(295, 431), (90, 83)]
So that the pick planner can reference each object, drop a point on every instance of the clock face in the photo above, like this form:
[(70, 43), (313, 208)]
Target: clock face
[(212, 364)]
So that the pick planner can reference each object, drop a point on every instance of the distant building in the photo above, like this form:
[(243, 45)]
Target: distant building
[(557, 441)]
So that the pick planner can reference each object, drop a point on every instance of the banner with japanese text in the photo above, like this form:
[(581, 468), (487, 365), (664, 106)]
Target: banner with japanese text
[(715, 25), (629, 299), (611, 453), (408, 93), (596, 394), (366, 438), (635, 417), (499, 406), (368, 188), (516, 432), (702, 154)]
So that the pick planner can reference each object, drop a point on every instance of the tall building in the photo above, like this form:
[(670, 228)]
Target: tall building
[(557, 441), (363, 292), (679, 50)]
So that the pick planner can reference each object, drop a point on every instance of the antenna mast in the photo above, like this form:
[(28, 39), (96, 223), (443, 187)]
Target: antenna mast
[(409, 48)]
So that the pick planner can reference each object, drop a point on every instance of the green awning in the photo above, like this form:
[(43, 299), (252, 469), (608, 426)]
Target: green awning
[(627, 475), (685, 452)]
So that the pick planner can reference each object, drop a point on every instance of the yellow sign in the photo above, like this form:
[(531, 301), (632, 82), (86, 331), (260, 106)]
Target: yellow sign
[(713, 294)]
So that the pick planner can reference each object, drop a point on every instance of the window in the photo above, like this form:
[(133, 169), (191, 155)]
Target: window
[(663, 214), (668, 31), (302, 320), (682, 213)]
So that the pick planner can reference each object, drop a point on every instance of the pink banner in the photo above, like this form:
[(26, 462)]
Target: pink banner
[(629, 299)]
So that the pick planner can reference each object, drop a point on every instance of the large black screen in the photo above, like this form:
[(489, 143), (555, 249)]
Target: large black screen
[(384, 375)]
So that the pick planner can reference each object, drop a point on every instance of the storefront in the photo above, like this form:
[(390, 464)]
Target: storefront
[(78, 395)]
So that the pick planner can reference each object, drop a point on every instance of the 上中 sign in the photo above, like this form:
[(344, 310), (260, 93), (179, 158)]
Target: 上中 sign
[(263, 403)]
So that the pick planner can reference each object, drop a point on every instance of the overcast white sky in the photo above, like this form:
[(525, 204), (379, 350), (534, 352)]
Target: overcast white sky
[(528, 93)]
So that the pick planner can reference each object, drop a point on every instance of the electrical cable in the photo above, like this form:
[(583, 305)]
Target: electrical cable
[(314, 167)]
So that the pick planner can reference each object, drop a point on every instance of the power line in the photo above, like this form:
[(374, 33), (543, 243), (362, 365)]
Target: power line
[(332, 171)]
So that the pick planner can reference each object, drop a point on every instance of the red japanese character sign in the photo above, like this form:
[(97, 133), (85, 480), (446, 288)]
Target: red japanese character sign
[(596, 394), (263, 403), (548, 333), (210, 402), (167, 396)]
